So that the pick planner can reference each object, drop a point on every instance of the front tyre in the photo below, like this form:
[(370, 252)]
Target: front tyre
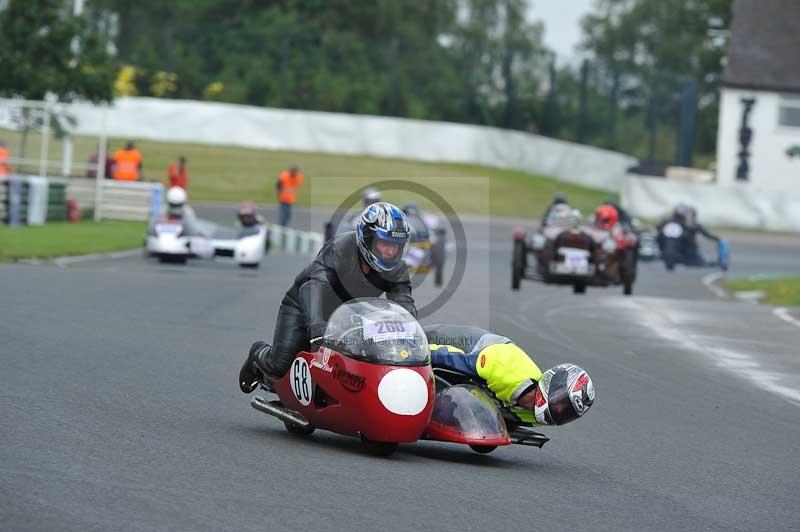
[(579, 287), (628, 272), (483, 449), (379, 448), (517, 264)]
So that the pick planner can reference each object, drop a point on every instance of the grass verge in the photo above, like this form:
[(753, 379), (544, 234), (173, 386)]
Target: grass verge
[(784, 291), (57, 239), (231, 173)]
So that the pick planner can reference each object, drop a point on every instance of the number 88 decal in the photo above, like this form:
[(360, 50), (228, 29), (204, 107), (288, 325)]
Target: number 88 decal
[(300, 381)]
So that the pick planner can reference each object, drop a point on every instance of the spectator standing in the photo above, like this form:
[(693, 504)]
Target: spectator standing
[(93, 165), (288, 183), (5, 169), (127, 163), (178, 175)]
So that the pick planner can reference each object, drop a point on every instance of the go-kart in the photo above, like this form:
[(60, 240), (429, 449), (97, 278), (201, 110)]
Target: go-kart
[(371, 378), (576, 255), (177, 238), (676, 246), (426, 250)]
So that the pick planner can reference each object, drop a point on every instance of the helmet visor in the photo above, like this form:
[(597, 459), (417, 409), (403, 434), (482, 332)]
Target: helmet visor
[(389, 246)]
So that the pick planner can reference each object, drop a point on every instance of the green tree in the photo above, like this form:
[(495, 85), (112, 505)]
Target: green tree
[(658, 45), (45, 50)]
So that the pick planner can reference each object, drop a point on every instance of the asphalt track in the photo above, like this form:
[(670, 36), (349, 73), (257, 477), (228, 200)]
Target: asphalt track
[(119, 407)]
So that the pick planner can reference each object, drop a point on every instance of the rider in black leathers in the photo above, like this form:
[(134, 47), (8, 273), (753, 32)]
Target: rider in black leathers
[(341, 271), (686, 216)]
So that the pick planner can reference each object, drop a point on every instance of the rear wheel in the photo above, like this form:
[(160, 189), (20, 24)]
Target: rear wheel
[(483, 449), (437, 256), (250, 265), (517, 264), (579, 287), (297, 429), (379, 448)]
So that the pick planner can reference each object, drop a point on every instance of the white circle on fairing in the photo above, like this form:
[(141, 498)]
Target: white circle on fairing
[(300, 381), (672, 230), (403, 392)]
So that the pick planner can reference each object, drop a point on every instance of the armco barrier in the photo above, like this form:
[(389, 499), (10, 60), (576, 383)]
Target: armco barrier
[(293, 241), (118, 200)]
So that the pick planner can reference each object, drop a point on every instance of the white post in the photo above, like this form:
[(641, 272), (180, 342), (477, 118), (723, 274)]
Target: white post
[(100, 173), (45, 137), (66, 160)]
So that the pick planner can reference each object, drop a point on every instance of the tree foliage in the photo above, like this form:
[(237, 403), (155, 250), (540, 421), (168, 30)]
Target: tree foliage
[(656, 46), (46, 50)]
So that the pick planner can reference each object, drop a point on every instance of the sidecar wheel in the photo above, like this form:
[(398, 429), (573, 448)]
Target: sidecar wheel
[(483, 449), (379, 448), (291, 428)]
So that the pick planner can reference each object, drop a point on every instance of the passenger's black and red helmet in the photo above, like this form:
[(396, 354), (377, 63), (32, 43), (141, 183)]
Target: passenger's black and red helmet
[(563, 394)]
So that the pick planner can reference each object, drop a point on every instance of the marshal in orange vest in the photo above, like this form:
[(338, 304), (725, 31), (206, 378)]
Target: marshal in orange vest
[(127, 163), (288, 182)]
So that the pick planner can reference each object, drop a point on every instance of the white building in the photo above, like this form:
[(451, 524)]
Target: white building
[(762, 75), (758, 141)]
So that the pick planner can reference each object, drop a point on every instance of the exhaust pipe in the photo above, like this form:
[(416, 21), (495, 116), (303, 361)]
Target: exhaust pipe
[(275, 408)]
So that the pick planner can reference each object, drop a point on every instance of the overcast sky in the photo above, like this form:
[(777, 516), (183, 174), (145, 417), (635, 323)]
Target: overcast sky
[(561, 18)]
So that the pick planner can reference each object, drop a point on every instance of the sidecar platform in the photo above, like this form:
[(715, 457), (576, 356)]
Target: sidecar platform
[(527, 436)]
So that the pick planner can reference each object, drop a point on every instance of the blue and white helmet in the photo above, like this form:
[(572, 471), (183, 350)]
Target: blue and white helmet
[(382, 223)]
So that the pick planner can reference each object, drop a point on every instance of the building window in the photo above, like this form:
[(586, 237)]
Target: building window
[(789, 113)]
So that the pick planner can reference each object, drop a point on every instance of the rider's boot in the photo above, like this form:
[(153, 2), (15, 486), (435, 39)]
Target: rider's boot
[(253, 373)]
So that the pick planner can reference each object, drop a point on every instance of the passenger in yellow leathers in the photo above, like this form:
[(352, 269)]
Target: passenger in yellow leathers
[(557, 396)]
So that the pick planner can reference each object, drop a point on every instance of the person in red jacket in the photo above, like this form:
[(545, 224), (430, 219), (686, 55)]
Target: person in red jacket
[(178, 175)]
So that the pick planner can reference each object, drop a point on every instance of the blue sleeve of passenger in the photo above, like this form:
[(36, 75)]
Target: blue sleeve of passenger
[(442, 357)]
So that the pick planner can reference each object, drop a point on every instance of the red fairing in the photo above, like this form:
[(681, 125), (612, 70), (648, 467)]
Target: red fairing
[(383, 403), (441, 432)]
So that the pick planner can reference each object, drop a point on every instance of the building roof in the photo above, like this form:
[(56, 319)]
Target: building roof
[(764, 50)]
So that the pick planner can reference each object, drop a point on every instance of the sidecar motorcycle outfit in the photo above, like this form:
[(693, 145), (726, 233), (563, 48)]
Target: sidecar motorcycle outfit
[(335, 276)]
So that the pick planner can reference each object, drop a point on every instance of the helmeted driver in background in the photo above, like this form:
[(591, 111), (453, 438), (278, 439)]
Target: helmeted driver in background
[(366, 262), (606, 217), (555, 397), (686, 216), (369, 196), (177, 208), (558, 199)]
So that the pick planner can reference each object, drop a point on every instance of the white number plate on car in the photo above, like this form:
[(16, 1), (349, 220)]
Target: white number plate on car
[(168, 228), (576, 261)]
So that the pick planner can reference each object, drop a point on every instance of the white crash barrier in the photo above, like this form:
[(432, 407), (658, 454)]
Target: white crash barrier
[(37, 200), (119, 200), (739, 205), (281, 129), (293, 241)]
